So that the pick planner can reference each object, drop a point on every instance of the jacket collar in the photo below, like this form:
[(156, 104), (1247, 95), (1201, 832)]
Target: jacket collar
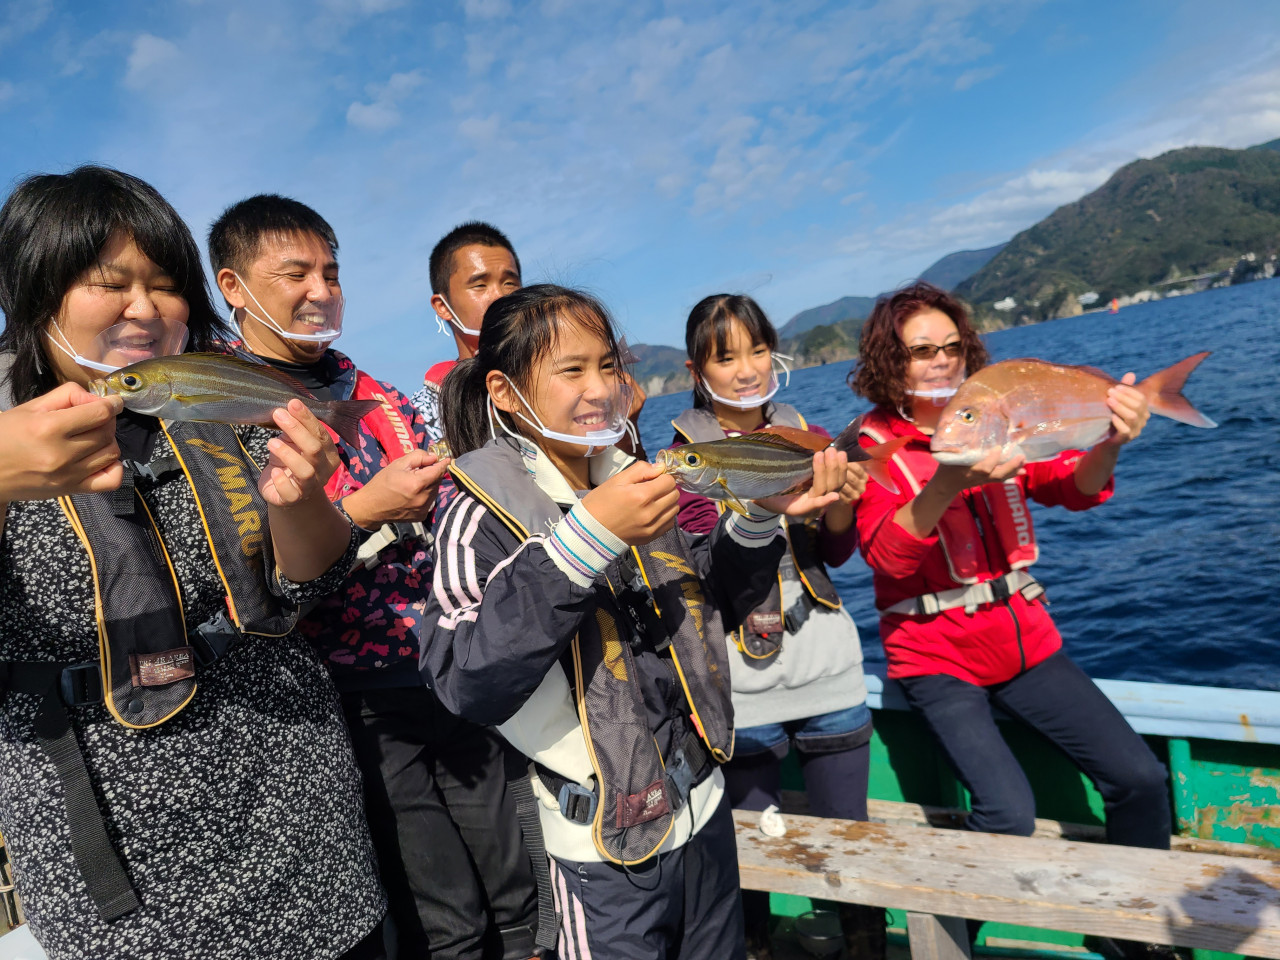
[(552, 482)]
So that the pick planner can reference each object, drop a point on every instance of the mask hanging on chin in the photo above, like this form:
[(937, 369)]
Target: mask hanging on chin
[(611, 426), (443, 324), (943, 392), (125, 343), (322, 316), (781, 363)]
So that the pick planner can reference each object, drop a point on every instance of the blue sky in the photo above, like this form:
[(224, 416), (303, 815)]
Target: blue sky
[(651, 152)]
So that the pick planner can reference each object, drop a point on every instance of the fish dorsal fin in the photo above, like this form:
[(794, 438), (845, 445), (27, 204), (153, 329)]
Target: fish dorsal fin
[(801, 438), (769, 438), (257, 366)]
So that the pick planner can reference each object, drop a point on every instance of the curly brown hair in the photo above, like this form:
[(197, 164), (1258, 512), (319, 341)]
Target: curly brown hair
[(881, 371)]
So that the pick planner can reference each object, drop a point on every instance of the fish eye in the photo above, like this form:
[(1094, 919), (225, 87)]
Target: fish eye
[(691, 459), (966, 416), (131, 380)]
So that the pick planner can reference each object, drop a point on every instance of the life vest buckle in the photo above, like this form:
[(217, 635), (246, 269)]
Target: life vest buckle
[(81, 685), (577, 803), (213, 639), (681, 775)]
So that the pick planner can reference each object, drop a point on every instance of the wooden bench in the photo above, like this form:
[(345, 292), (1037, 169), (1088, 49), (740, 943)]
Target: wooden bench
[(1188, 898)]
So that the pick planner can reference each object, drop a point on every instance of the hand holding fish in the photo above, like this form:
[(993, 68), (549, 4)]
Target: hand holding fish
[(303, 458), (59, 443), (637, 504), (402, 491), (1129, 411), (307, 531), (830, 473)]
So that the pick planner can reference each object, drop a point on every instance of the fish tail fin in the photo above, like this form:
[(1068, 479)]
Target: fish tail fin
[(1163, 391), (878, 470), (846, 440), (344, 416), (874, 459)]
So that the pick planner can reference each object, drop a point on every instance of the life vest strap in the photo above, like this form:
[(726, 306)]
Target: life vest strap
[(970, 597), (60, 685), (690, 765)]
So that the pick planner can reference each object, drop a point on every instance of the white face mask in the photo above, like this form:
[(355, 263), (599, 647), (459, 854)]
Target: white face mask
[(453, 318), (943, 392), (613, 426), (125, 343), (328, 312), (752, 400)]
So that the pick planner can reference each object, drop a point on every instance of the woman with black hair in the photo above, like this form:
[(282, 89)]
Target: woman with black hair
[(796, 661), (173, 766)]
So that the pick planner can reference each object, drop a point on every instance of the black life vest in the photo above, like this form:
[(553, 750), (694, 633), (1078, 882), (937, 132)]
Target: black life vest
[(147, 666), (650, 595), (761, 635), (147, 659)]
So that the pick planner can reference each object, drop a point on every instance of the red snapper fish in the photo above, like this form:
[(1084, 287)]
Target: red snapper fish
[(1039, 409)]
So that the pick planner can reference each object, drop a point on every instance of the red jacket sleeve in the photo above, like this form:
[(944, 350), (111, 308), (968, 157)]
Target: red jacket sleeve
[(1053, 483)]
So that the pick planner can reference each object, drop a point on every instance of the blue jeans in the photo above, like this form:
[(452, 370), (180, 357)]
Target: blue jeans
[(835, 758), (1059, 700)]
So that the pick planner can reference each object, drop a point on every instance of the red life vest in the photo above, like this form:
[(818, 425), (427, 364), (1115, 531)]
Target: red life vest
[(958, 531), (388, 425)]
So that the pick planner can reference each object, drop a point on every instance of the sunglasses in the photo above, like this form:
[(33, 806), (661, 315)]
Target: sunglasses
[(927, 351)]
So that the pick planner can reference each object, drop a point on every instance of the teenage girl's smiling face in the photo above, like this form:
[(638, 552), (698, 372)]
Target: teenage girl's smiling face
[(573, 389), (931, 328), (124, 288), (742, 370)]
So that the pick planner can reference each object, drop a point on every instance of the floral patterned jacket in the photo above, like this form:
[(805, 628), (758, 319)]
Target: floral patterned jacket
[(367, 632)]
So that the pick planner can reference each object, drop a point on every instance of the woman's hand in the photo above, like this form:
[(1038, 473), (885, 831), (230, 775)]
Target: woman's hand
[(403, 490), (990, 469), (636, 504), (1129, 412), (830, 475), (60, 443), (303, 458)]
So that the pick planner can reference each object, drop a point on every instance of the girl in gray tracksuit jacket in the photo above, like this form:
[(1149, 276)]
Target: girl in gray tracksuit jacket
[(567, 611)]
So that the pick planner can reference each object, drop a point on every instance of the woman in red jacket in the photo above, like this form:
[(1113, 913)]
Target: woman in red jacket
[(963, 624)]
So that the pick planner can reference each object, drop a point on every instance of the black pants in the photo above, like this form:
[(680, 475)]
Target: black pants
[(1057, 699), (450, 854), (682, 905)]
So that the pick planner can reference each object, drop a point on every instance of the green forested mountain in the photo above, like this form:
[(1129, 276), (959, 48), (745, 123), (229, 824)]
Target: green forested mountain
[(1187, 212)]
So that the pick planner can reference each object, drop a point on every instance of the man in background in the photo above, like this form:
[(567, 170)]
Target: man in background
[(458, 879)]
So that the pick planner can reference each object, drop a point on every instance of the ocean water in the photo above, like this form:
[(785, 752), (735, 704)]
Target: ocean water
[(1176, 578)]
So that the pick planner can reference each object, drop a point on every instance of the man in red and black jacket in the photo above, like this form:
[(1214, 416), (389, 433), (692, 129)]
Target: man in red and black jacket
[(457, 876)]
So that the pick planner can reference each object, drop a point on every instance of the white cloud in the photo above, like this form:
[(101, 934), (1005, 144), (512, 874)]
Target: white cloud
[(21, 18), (971, 78), (149, 61), (383, 112)]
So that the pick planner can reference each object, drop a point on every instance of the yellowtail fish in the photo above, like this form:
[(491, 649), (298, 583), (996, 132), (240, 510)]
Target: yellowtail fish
[(440, 448), (770, 462), (1040, 409), (221, 388)]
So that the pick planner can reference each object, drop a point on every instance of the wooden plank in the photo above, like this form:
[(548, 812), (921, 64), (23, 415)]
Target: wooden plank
[(900, 813), (937, 938), (1192, 900)]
